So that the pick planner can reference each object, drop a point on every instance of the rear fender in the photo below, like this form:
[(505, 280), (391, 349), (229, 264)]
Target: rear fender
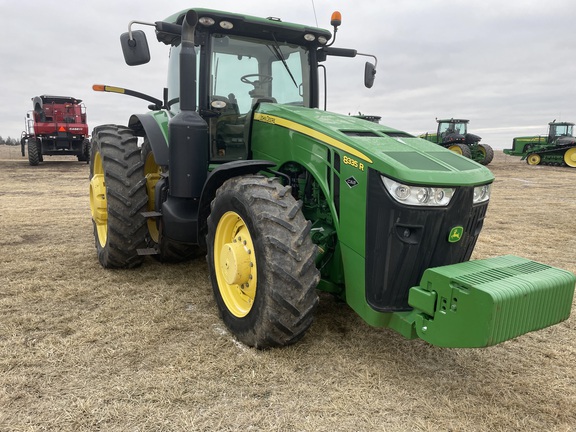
[(149, 126)]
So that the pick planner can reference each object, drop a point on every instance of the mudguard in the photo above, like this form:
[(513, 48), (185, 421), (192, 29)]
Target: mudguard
[(219, 176), (147, 125)]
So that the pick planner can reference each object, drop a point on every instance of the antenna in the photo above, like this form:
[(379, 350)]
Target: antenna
[(314, 9)]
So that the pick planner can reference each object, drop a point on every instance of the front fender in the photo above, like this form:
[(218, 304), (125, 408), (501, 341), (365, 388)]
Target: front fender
[(218, 176), (149, 125)]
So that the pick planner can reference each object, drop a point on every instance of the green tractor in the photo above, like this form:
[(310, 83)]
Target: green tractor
[(239, 164), (556, 148), (453, 134)]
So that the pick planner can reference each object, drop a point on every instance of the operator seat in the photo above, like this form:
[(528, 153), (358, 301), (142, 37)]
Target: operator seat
[(229, 124)]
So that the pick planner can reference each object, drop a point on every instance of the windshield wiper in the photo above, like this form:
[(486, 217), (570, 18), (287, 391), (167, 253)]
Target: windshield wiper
[(278, 53)]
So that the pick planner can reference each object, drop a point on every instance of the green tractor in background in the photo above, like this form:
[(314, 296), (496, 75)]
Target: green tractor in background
[(557, 148), (239, 164), (453, 134)]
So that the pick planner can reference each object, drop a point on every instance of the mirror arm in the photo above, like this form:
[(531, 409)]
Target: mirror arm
[(370, 55), (130, 38)]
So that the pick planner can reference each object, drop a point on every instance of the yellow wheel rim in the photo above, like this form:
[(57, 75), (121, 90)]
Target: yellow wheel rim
[(570, 157), (235, 264), (456, 149), (533, 159), (98, 203), (152, 173)]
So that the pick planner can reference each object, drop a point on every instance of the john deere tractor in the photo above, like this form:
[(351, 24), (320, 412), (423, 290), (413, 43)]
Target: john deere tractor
[(453, 134), (238, 163), (556, 148)]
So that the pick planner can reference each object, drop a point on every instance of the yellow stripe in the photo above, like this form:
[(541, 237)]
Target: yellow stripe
[(266, 118)]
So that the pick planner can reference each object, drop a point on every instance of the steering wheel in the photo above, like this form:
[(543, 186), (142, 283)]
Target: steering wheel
[(261, 79)]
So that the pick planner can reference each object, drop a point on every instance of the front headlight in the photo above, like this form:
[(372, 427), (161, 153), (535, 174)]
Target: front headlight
[(482, 193), (419, 195)]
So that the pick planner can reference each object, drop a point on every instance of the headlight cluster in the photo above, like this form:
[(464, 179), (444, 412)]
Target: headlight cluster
[(482, 193), (419, 195), (428, 195)]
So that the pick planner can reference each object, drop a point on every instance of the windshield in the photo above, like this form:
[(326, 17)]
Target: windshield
[(245, 71), (561, 130), (452, 128)]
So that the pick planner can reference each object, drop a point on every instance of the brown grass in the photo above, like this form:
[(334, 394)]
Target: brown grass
[(84, 349)]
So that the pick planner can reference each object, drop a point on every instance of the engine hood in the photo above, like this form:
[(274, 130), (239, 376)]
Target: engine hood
[(471, 138), (394, 153)]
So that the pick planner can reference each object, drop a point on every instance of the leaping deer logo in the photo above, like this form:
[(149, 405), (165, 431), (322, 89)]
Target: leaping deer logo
[(455, 234)]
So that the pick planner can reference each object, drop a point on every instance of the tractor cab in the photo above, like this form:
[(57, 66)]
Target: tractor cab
[(561, 133), (452, 130), (239, 62), (241, 73)]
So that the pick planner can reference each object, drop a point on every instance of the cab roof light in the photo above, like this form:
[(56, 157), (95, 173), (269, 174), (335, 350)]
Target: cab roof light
[(226, 25), (206, 21)]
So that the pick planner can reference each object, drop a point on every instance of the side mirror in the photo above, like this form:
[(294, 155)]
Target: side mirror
[(135, 48), (369, 74)]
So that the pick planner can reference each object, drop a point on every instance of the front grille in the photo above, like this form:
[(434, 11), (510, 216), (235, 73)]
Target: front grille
[(402, 242)]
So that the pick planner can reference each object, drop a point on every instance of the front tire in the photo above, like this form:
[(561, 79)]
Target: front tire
[(487, 153), (33, 151), (117, 196), (84, 156), (534, 159), (262, 262), (461, 149)]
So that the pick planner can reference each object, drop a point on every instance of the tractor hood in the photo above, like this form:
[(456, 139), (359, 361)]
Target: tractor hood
[(472, 139), (393, 153)]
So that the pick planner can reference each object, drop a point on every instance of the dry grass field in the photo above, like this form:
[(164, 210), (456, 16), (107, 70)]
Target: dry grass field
[(88, 349)]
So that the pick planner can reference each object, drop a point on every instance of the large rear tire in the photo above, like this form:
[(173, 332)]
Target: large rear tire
[(570, 157), (487, 152), (461, 149), (262, 262), (117, 196), (33, 151)]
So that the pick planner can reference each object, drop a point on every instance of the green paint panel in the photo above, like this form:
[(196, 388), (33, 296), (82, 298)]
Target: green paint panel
[(404, 158), (417, 161), (484, 302), (459, 162)]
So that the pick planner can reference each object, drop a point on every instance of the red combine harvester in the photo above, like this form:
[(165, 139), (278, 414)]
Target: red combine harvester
[(56, 126)]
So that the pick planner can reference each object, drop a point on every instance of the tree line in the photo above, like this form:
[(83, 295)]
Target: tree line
[(9, 141)]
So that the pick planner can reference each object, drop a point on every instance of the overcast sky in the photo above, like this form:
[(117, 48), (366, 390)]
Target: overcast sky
[(507, 66)]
